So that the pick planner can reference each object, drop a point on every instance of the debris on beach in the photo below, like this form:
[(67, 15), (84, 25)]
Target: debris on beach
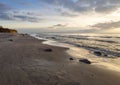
[(85, 61), (11, 40), (71, 58), (48, 50)]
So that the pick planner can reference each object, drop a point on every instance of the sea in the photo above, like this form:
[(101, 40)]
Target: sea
[(103, 50)]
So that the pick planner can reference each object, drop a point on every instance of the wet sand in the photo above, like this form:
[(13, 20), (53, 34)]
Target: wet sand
[(24, 61)]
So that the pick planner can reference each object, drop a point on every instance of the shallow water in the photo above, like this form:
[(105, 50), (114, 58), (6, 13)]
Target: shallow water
[(108, 44), (84, 46)]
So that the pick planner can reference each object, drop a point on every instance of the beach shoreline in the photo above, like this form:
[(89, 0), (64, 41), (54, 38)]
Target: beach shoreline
[(82, 53), (24, 60)]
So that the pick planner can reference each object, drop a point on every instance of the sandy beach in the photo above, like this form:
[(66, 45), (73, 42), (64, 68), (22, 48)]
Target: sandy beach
[(24, 60)]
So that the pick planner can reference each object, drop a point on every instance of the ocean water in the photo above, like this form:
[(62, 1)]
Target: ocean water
[(102, 49)]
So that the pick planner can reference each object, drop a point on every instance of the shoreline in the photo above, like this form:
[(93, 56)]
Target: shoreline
[(77, 53), (25, 61)]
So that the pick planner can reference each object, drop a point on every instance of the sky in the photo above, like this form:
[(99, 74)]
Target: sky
[(61, 15)]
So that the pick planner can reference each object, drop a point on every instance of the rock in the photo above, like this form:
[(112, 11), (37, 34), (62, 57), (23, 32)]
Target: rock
[(85, 61), (48, 50), (24, 35), (10, 39), (105, 55), (98, 53), (53, 37), (71, 58)]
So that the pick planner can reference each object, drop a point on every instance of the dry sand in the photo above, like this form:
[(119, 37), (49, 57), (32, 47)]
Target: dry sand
[(23, 61)]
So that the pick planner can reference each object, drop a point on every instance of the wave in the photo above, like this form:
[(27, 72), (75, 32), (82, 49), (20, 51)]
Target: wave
[(101, 49)]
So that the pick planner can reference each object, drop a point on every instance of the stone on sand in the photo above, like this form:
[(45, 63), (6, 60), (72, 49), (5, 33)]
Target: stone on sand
[(10, 39), (71, 58), (85, 61), (48, 50)]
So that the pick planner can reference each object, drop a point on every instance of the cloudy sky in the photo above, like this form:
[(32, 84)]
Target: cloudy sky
[(88, 15)]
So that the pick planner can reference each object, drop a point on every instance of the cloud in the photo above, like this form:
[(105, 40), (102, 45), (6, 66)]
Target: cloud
[(69, 8), (106, 9), (100, 6), (4, 7), (6, 16), (26, 18), (19, 17), (66, 13), (7, 13), (58, 26), (107, 25), (24, 3)]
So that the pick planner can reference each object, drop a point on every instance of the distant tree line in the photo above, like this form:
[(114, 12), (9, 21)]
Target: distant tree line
[(7, 30)]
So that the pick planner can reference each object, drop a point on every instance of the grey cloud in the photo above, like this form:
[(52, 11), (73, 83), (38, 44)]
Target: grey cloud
[(86, 5), (58, 26), (27, 18), (67, 14), (4, 7), (9, 16), (6, 16), (115, 1), (106, 9), (7, 13), (107, 25), (29, 13)]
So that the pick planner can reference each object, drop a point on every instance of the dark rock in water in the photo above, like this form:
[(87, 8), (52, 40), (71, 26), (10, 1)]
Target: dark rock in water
[(48, 50), (105, 55), (53, 37), (71, 58), (24, 34), (98, 53), (85, 61)]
